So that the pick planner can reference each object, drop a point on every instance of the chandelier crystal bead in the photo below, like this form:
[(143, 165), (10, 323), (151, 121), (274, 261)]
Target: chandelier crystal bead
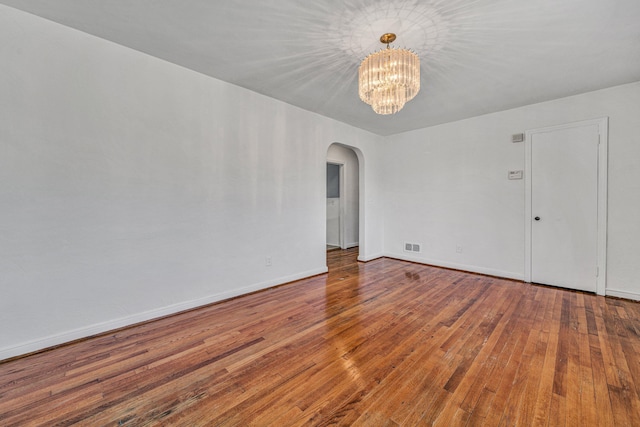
[(389, 78)]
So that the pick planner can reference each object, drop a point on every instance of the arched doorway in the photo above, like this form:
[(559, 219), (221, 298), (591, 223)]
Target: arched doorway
[(343, 208)]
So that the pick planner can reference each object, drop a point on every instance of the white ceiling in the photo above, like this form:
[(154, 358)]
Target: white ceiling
[(478, 56)]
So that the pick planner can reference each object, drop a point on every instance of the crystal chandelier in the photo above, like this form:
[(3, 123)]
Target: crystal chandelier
[(387, 79)]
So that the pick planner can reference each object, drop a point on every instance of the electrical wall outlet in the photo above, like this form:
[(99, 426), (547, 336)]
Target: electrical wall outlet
[(459, 249), (267, 261)]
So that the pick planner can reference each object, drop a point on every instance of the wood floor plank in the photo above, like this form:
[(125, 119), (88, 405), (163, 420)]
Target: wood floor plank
[(524, 363), (481, 408), (547, 372), (480, 359), (511, 363), (524, 415), (604, 409), (381, 343), (557, 412)]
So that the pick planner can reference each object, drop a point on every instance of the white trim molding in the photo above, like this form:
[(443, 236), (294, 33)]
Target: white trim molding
[(368, 258), (456, 266), (623, 294), (103, 327)]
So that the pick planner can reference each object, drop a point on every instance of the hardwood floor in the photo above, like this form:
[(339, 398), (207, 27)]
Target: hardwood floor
[(379, 344)]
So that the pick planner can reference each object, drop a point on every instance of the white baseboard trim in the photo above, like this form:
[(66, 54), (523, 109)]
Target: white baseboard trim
[(455, 266), (352, 245), (366, 258), (622, 294), (110, 325)]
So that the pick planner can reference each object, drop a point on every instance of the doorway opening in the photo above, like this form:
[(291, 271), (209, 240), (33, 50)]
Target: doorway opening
[(335, 215), (343, 209)]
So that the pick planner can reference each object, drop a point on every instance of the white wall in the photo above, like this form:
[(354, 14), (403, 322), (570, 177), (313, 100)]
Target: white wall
[(447, 186), (351, 197), (132, 188)]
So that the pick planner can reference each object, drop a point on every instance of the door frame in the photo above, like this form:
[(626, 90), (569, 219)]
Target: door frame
[(603, 144), (341, 208)]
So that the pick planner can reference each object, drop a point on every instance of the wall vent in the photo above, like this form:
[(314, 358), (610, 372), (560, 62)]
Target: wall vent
[(518, 137), (412, 247)]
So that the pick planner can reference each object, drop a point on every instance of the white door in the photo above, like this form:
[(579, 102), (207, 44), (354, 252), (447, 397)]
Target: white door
[(334, 204), (564, 206)]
